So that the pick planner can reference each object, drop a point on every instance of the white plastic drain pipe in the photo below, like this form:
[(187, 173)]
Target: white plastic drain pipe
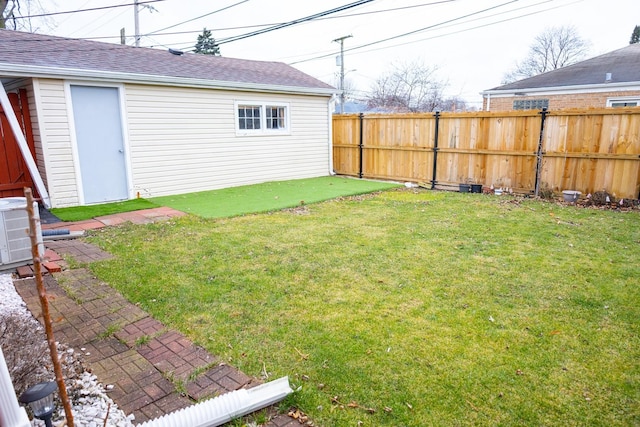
[(11, 414), (224, 408)]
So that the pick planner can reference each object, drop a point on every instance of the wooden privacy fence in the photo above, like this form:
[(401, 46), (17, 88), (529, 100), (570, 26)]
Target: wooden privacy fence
[(586, 150)]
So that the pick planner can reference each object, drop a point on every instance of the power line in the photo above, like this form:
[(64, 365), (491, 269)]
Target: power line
[(68, 17), (83, 10), (393, 9), (242, 27), (202, 16), (294, 22), (408, 33), (479, 26), (157, 33), (103, 16)]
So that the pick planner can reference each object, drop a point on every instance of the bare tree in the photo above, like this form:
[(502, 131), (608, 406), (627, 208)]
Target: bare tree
[(554, 48), (454, 103), (7, 8), (408, 87), (15, 15)]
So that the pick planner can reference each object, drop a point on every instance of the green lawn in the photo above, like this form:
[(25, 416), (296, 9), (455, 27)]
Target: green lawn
[(427, 308)]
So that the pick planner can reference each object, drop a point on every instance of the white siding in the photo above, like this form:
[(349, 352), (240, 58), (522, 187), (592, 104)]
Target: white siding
[(53, 134), (37, 139), (184, 140)]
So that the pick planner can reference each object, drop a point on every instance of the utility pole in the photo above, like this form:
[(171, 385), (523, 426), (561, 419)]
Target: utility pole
[(341, 40), (136, 23), (136, 19)]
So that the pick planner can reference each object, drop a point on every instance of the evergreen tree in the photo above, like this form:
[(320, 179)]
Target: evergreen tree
[(635, 36), (206, 44)]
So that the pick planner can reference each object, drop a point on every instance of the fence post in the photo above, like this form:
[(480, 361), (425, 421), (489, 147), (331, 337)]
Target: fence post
[(435, 149), (539, 153), (361, 145)]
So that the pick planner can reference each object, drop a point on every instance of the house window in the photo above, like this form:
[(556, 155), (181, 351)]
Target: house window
[(248, 117), (530, 104), (623, 102), (261, 118)]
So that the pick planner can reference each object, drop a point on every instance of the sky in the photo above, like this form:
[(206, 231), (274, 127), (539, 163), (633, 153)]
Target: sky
[(473, 43)]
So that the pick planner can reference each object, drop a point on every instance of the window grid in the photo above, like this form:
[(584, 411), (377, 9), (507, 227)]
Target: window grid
[(249, 117), (275, 117), (254, 117)]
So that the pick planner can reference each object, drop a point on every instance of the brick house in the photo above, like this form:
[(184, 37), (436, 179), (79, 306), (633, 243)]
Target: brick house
[(609, 80)]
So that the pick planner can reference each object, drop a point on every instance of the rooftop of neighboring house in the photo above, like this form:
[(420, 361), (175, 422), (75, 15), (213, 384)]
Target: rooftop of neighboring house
[(616, 68), (29, 54)]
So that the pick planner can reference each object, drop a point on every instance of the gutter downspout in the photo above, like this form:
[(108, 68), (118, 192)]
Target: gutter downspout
[(224, 408), (11, 415), (488, 102), (24, 147)]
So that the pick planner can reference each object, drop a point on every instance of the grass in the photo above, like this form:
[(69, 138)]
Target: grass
[(81, 213), (110, 331), (142, 340), (407, 308), (269, 196)]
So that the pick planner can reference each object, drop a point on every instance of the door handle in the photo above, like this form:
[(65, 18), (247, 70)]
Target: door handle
[(121, 151)]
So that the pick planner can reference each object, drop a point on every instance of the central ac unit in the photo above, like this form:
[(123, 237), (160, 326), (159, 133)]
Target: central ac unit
[(15, 243)]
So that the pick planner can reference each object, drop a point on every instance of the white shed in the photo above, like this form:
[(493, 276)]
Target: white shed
[(113, 122)]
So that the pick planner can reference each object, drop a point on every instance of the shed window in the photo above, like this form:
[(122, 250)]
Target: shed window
[(256, 118), (248, 117), (275, 118), (530, 104)]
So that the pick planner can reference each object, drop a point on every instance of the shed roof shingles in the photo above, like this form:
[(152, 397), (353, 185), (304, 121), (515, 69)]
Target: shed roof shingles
[(56, 52)]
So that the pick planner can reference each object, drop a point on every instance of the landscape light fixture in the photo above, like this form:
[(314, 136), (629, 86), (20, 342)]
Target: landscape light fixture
[(40, 399)]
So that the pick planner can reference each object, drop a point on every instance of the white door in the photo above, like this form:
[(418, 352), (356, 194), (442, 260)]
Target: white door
[(100, 142)]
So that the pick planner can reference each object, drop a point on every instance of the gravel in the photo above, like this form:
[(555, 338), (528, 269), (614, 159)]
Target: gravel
[(90, 403)]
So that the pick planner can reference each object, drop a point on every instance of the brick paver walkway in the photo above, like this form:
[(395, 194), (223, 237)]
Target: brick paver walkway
[(124, 346), (145, 216)]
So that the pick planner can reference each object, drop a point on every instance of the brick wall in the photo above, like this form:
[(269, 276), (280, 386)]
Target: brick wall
[(559, 102)]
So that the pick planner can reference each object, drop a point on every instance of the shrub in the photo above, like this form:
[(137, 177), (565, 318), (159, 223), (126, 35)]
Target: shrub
[(25, 351)]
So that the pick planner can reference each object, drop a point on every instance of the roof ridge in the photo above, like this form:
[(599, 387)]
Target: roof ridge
[(92, 57)]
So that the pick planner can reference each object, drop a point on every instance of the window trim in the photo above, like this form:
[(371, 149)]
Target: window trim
[(264, 130), (625, 99)]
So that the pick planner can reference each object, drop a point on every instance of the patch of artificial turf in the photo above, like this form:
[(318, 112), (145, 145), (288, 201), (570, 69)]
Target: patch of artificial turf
[(269, 196), (81, 213)]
